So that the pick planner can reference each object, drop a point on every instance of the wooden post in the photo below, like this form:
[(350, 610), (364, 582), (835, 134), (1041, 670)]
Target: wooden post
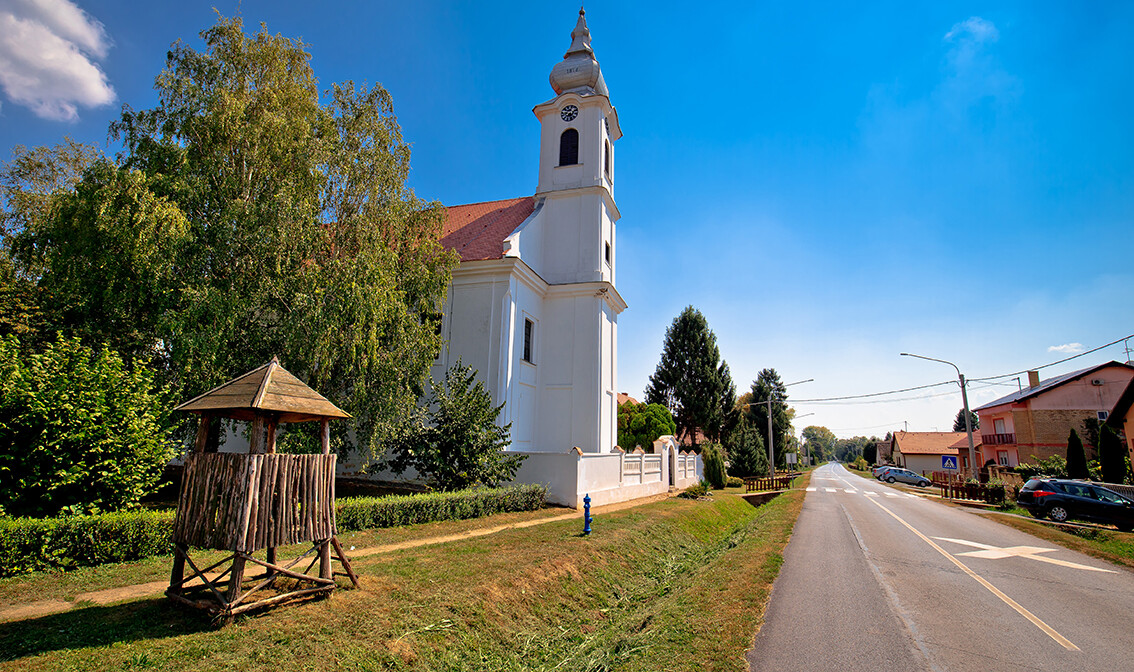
[(271, 441), (178, 573), (202, 434), (325, 549), (256, 441), (237, 579)]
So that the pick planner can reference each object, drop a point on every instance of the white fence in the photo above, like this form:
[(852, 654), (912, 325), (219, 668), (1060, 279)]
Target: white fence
[(611, 477)]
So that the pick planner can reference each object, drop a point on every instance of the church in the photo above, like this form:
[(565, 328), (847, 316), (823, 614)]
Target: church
[(534, 306)]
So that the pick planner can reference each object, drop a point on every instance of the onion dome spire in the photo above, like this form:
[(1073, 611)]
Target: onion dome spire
[(579, 71)]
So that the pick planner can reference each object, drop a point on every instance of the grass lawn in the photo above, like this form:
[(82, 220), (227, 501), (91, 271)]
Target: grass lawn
[(673, 585)]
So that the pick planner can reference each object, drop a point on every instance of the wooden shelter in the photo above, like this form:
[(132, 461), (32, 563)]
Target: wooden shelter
[(257, 501)]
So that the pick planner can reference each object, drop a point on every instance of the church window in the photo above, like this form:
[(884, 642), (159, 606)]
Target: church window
[(529, 329), (608, 254), (569, 147), (606, 157)]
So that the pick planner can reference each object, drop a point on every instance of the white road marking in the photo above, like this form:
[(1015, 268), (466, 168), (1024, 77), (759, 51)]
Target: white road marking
[(1047, 629), (891, 494), (1031, 552), (829, 489), (849, 491), (871, 494), (811, 489)]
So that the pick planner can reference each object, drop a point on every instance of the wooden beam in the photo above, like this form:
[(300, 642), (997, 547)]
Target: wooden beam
[(202, 433), (271, 441), (325, 432), (256, 441)]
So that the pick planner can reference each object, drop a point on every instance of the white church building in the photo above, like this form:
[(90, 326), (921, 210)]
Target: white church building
[(534, 306)]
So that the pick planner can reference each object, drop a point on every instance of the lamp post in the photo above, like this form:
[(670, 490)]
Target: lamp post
[(807, 447), (768, 401), (965, 400)]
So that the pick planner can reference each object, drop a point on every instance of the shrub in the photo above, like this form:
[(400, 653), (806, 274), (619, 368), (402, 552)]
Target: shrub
[(38, 544), (695, 491), (713, 457), (734, 481), (860, 464), (747, 455), (456, 443), (1052, 467), (1111, 456), (79, 431), (642, 424), (360, 513), (1076, 457)]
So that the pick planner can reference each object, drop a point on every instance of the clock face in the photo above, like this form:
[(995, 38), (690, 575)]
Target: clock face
[(569, 113)]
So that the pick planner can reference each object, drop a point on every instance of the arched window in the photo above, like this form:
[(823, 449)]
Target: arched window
[(606, 158), (569, 147)]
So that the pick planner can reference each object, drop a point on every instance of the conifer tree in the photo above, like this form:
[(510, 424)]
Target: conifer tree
[(688, 380), (1112, 460), (769, 386), (747, 454), (1076, 457)]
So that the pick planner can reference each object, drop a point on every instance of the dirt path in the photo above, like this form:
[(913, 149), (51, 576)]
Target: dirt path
[(39, 608)]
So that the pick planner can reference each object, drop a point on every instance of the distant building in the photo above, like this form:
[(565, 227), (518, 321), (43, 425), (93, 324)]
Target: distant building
[(922, 451), (1037, 420)]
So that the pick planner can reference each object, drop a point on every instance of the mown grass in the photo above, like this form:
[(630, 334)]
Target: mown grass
[(673, 585)]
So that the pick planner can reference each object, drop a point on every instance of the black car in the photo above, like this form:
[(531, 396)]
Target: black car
[(1060, 499)]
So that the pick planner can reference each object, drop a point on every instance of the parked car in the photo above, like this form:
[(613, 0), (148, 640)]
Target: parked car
[(1061, 499), (905, 476), (880, 472), (878, 468)]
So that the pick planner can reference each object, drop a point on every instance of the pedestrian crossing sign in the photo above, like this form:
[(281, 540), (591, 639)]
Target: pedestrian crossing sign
[(949, 462)]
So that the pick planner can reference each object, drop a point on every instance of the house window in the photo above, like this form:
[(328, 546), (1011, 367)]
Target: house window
[(529, 328), (608, 254), (1103, 415), (569, 147), (606, 158), (1002, 457)]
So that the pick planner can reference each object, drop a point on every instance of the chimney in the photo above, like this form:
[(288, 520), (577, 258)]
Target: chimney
[(1033, 378)]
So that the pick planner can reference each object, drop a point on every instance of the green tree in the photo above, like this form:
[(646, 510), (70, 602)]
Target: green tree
[(747, 455), (870, 452), (80, 431), (454, 441), (713, 457), (688, 380), (257, 217), (642, 424), (1112, 456), (1076, 457), (820, 442), (959, 421), (769, 386)]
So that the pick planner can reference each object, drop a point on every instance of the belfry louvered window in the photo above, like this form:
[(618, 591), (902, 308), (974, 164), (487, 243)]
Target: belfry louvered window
[(569, 147)]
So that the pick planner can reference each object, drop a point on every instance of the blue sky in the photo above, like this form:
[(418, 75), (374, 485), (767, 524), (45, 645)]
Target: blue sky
[(830, 184)]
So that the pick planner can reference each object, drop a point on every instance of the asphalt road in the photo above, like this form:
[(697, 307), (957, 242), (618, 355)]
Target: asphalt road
[(878, 579)]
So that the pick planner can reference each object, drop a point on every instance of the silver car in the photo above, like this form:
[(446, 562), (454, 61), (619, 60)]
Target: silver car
[(906, 476)]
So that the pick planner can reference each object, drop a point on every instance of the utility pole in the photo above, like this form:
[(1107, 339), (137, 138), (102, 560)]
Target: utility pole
[(965, 400), (768, 401)]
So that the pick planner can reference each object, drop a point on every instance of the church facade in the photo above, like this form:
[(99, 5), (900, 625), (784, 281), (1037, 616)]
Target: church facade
[(534, 306)]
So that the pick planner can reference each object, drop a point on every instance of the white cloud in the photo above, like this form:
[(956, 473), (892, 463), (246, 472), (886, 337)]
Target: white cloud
[(974, 29), (48, 50), (1069, 348)]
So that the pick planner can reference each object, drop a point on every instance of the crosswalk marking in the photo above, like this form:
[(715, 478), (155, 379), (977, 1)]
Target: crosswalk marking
[(867, 493), (829, 489), (849, 491), (811, 489)]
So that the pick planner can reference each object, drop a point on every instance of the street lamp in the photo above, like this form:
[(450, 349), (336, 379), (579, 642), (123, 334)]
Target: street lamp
[(965, 400), (807, 447), (768, 401)]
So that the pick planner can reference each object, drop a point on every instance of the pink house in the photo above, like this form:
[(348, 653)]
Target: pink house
[(1038, 419)]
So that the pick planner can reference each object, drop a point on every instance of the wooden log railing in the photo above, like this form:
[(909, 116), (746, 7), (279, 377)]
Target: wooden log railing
[(246, 502), (991, 494), (768, 483)]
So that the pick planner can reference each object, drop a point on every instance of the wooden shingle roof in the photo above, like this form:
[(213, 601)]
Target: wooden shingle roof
[(267, 390)]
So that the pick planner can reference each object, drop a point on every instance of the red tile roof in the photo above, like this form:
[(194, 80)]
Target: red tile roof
[(963, 442), (623, 398), (477, 231), (928, 443)]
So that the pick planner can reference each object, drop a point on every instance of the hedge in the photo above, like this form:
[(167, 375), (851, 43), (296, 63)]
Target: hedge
[(38, 544), (360, 513)]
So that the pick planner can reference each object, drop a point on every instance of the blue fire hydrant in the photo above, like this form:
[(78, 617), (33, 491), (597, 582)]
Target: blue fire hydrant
[(587, 514)]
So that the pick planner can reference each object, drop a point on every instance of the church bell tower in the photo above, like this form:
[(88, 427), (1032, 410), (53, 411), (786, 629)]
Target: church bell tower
[(576, 167)]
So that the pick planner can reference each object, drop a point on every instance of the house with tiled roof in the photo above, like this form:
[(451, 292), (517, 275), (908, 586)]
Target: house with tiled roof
[(533, 305), (1121, 417), (1037, 420), (923, 451)]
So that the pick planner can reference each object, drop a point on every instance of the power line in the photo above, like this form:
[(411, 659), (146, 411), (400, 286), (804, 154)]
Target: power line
[(872, 394), (1065, 359)]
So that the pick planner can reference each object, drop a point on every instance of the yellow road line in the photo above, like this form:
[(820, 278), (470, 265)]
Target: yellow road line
[(1047, 629)]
